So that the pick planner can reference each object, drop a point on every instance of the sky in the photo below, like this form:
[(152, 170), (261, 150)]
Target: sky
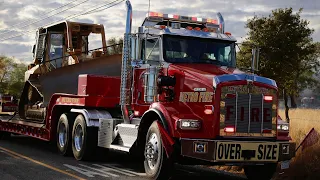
[(19, 19)]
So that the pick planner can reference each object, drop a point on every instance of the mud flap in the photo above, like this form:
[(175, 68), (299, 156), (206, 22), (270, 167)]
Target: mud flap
[(167, 141)]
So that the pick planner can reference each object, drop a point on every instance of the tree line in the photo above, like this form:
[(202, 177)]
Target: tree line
[(11, 76), (288, 53)]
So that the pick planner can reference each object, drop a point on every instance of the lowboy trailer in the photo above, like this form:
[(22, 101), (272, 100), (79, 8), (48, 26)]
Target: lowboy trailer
[(175, 95)]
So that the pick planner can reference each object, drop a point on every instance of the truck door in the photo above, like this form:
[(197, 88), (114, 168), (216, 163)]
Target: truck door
[(150, 54)]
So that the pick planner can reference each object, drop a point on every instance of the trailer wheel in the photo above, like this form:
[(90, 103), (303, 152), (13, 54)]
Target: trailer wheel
[(156, 163), (84, 139), (63, 134), (264, 172)]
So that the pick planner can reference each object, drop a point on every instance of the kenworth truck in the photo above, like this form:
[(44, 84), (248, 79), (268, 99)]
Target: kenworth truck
[(175, 95)]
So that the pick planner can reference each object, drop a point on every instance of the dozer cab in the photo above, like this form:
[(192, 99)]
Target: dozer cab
[(60, 55)]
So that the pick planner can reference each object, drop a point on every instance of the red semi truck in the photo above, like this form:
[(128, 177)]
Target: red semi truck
[(175, 95)]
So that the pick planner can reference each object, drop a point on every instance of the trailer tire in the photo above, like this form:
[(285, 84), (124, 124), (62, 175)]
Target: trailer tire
[(156, 163), (63, 135), (264, 172), (84, 139)]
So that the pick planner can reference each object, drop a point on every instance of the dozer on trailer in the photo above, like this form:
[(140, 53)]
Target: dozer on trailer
[(175, 95)]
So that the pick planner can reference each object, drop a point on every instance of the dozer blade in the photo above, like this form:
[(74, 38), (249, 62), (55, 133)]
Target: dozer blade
[(65, 79)]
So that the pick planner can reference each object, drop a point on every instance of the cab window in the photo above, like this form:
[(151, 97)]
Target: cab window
[(56, 50), (151, 49)]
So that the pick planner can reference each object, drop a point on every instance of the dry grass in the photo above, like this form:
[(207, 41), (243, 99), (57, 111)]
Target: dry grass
[(301, 122), (306, 163)]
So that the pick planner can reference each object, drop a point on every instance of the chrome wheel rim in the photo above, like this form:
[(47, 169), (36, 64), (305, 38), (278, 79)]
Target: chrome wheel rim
[(152, 151), (62, 135), (78, 137)]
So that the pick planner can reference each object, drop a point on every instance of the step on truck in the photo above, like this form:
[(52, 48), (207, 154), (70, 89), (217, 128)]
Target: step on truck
[(174, 95)]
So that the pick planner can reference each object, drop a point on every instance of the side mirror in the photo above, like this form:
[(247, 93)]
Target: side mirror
[(133, 44), (135, 51), (255, 59)]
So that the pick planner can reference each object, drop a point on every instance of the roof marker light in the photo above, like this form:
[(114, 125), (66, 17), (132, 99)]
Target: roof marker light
[(209, 20), (162, 26), (182, 18), (155, 14)]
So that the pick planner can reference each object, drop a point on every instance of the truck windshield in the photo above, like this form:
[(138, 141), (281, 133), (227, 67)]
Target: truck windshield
[(179, 49)]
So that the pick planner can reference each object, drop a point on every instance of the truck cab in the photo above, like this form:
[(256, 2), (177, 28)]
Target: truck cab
[(184, 72)]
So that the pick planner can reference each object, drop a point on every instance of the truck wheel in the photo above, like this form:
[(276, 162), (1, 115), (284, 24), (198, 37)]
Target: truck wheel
[(84, 139), (264, 172), (64, 134), (156, 163)]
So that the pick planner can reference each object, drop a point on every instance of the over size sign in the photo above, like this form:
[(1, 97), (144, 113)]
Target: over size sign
[(233, 151)]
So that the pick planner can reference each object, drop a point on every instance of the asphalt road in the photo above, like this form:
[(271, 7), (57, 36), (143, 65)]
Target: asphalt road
[(24, 158)]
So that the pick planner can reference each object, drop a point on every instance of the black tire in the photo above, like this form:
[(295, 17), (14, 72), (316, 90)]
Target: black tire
[(89, 139), (264, 172), (163, 167), (65, 123)]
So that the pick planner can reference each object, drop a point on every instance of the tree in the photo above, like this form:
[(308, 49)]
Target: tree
[(11, 76), (287, 51), (115, 45)]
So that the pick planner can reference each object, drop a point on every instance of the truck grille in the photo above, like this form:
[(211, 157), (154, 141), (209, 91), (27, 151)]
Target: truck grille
[(248, 113)]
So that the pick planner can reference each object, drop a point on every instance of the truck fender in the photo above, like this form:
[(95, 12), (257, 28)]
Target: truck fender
[(162, 119), (165, 113), (92, 116), (167, 141), (163, 126)]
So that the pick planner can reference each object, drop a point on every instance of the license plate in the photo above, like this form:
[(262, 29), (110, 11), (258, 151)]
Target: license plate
[(247, 151), (285, 164)]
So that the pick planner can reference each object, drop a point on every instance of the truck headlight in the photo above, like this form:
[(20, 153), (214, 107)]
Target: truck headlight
[(283, 127), (189, 124)]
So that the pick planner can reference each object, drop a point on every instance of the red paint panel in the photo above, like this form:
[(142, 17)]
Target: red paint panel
[(35, 132), (172, 112), (93, 85), (98, 101)]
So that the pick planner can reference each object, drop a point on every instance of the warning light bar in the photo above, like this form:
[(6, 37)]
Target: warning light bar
[(182, 18)]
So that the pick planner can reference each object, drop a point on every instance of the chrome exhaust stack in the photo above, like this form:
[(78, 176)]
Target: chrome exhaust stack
[(220, 22), (125, 91)]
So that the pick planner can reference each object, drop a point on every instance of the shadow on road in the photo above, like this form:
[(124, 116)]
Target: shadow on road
[(103, 156)]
